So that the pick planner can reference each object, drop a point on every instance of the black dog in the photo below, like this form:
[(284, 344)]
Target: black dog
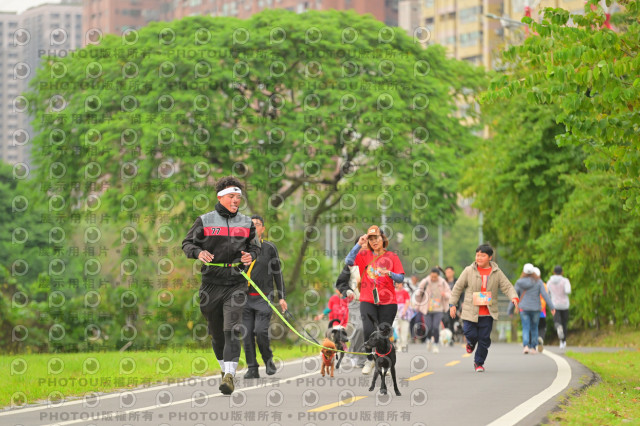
[(337, 335), (385, 355)]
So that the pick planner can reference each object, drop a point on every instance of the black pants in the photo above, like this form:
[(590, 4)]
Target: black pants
[(561, 319), (479, 333), (542, 327), (256, 318), (222, 307), (448, 322), (418, 327), (383, 314)]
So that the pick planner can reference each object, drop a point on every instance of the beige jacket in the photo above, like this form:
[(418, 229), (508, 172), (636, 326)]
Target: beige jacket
[(427, 289), (470, 281)]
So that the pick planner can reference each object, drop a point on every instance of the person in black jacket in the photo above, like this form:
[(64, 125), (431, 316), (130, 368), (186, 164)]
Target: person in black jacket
[(264, 271), (228, 238)]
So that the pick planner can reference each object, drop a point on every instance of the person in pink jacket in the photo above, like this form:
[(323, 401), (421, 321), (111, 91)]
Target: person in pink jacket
[(432, 299)]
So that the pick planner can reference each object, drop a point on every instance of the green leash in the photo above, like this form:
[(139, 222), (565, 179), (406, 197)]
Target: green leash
[(255, 286)]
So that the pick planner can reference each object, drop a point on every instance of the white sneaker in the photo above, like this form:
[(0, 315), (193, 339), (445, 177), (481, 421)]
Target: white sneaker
[(563, 345), (435, 349), (368, 367)]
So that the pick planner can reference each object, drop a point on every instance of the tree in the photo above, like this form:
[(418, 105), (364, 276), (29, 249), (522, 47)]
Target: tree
[(596, 242), (518, 175), (297, 105), (25, 246), (557, 200), (591, 74)]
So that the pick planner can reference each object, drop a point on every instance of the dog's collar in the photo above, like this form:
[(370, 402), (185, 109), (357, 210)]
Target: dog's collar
[(376, 351)]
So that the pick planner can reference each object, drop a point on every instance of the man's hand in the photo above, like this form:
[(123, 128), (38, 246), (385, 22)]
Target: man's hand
[(553, 312), (205, 256), (246, 258), (283, 305), (452, 312)]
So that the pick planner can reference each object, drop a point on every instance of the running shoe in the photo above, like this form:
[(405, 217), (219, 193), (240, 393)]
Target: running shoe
[(227, 386), (368, 367)]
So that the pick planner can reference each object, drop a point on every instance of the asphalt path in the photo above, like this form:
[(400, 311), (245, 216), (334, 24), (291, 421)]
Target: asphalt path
[(437, 389)]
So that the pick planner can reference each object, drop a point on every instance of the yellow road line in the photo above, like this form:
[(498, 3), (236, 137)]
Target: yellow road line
[(337, 404), (419, 376), (466, 355), (452, 363)]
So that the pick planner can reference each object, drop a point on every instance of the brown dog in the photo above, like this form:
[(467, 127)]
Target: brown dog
[(328, 357)]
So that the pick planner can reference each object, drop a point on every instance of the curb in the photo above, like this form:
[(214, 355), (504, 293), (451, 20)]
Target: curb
[(572, 392)]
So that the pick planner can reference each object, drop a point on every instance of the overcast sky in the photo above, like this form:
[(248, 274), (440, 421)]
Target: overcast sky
[(21, 5)]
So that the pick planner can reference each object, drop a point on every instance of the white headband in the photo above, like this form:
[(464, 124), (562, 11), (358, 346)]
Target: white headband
[(230, 190)]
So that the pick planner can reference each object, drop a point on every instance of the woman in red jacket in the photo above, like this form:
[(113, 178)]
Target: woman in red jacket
[(379, 269)]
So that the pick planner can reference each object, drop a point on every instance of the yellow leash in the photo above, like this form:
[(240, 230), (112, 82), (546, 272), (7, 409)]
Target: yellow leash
[(255, 286)]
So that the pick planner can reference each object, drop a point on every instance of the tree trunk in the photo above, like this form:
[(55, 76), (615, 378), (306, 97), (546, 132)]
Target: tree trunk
[(322, 208)]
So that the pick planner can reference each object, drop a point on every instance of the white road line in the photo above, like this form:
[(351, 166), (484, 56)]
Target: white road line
[(117, 393), (182, 401), (563, 377)]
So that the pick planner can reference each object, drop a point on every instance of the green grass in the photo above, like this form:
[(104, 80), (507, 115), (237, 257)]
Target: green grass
[(52, 376), (607, 336), (616, 400)]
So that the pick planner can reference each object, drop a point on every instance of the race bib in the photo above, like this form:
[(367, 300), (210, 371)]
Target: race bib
[(434, 305), (481, 298)]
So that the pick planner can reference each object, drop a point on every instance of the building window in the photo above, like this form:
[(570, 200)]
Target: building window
[(517, 6), (477, 59), (428, 3), (470, 39), (428, 21), (470, 14)]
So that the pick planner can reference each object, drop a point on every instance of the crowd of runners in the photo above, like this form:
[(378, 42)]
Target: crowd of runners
[(371, 290)]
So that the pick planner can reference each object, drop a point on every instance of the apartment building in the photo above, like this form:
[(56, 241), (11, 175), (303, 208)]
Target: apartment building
[(10, 87), (46, 30), (116, 16), (462, 26)]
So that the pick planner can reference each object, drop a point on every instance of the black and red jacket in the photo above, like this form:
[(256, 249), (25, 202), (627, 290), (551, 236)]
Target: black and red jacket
[(224, 235)]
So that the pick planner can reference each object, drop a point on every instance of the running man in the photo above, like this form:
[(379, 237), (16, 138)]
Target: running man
[(229, 239), (264, 271)]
